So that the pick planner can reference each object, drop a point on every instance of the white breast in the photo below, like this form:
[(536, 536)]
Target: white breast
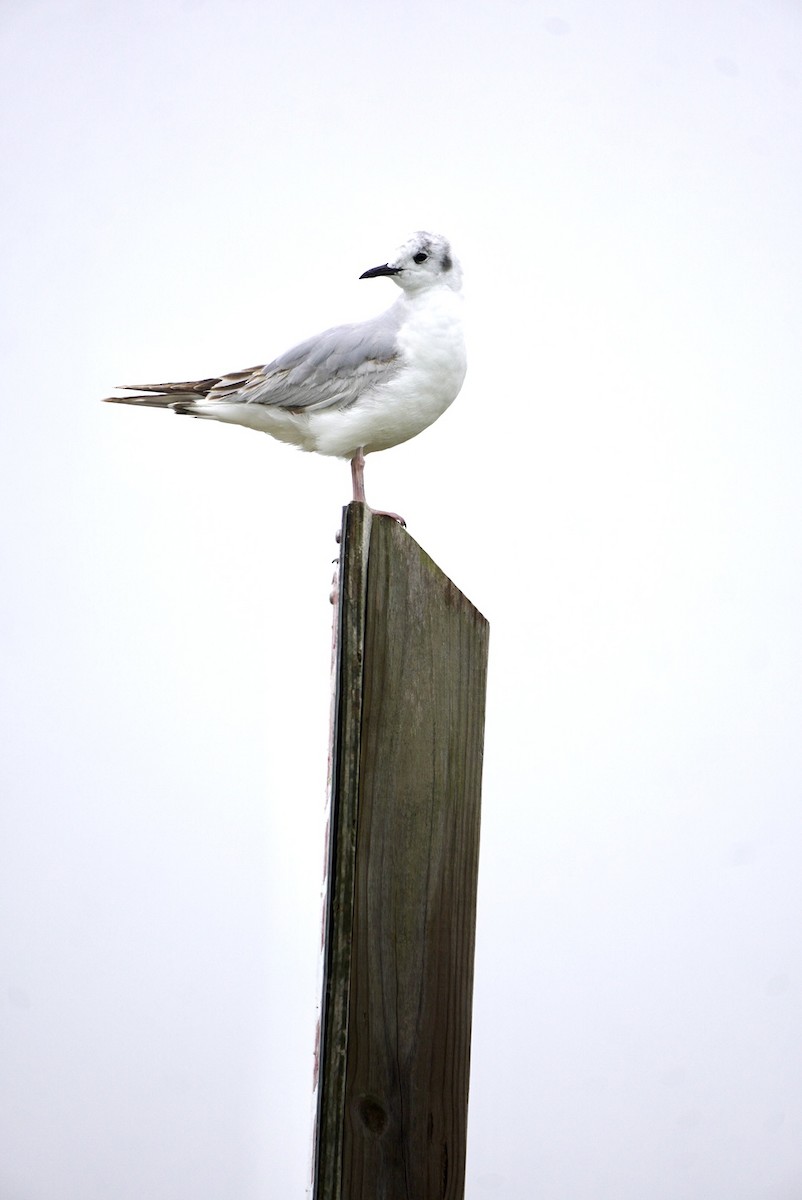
[(431, 346)]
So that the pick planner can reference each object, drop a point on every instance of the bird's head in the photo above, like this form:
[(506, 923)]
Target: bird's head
[(424, 261)]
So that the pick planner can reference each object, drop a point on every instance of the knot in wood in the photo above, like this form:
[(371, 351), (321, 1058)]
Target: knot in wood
[(372, 1114)]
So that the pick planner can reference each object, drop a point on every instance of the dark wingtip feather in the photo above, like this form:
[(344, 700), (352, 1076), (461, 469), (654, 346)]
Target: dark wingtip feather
[(201, 386), (149, 401), (164, 395)]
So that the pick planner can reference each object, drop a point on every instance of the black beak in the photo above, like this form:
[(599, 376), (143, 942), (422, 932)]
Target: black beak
[(384, 270)]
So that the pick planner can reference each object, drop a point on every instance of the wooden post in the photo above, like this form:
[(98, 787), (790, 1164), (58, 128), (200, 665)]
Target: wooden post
[(410, 676)]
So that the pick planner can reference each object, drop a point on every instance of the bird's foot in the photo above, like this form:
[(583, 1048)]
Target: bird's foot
[(358, 481), (380, 512)]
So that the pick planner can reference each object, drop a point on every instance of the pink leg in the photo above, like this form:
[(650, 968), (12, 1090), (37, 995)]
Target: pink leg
[(358, 482), (358, 476)]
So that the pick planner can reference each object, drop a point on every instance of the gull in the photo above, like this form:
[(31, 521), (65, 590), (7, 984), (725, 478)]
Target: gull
[(353, 389)]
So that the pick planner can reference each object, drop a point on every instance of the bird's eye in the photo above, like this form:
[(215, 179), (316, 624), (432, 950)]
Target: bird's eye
[(420, 257)]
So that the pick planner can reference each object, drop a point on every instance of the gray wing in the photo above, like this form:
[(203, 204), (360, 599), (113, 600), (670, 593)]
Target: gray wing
[(333, 368)]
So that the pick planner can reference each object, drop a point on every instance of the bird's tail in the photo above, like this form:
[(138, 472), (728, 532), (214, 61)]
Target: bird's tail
[(180, 397)]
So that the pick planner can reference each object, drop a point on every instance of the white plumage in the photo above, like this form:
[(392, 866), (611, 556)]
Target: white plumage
[(353, 389)]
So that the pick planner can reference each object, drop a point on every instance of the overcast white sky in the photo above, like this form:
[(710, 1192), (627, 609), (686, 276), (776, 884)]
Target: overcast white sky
[(191, 188)]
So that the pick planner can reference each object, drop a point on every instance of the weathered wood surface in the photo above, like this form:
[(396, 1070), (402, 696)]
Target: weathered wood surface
[(404, 845)]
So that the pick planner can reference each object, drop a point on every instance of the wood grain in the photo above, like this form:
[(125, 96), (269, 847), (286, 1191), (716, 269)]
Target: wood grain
[(403, 1035)]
